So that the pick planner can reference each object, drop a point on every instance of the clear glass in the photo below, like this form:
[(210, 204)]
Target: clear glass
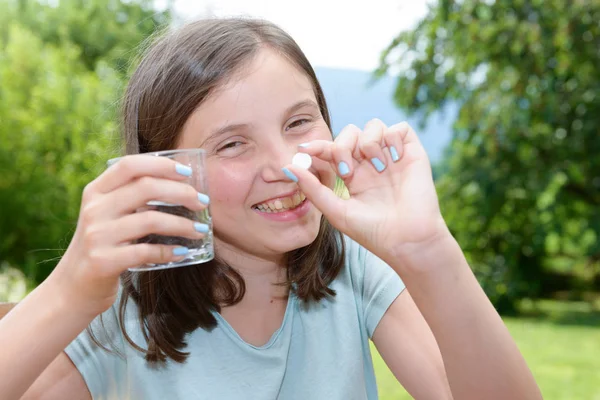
[(200, 250)]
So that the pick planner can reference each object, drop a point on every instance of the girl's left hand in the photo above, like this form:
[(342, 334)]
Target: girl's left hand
[(393, 209)]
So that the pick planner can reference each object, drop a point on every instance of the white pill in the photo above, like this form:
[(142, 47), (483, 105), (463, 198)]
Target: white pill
[(302, 160)]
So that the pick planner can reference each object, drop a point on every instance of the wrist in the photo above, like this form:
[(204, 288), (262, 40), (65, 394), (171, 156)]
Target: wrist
[(55, 299), (58, 290), (426, 256)]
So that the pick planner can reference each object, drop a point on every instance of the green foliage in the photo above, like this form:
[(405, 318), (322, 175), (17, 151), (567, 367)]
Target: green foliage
[(107, 30), (59, 91), (521, 183)]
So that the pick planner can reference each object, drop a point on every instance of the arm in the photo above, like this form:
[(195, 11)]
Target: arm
[(30, 334), (392, 210), (60, 380), (481, 359), (85, 282), (409, 349), (5, 308)]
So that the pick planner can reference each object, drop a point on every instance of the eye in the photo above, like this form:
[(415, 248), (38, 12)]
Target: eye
[(297, 123), (230, 145)]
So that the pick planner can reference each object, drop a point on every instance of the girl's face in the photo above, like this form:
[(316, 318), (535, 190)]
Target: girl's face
[(250, 128)]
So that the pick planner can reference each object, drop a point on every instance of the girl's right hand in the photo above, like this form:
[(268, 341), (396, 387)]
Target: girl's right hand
[(103, 245)]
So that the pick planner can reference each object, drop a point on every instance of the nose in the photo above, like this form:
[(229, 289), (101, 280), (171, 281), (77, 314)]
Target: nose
[(276, 154)]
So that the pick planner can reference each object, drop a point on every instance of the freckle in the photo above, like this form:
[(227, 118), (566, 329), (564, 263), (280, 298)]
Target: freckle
[(271, 300)]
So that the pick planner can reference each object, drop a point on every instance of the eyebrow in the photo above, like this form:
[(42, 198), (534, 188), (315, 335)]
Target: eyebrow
[(233, 127), (302, 104), (227, 128)]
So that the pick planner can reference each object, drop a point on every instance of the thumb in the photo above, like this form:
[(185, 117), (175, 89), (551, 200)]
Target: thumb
[(332, 206)]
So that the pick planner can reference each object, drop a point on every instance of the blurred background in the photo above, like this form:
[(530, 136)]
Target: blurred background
[(505, 95)]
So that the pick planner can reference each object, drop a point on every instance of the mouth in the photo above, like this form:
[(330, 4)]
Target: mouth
[(281, 204)]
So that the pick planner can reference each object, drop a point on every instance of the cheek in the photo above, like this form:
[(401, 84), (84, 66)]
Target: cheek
[(227, 187), (322, 132)]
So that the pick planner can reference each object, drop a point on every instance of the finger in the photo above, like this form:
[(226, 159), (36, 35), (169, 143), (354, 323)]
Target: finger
[(344, 146), (322, 149), (333, 207), (406, 131), (404, 134), (393, 138), (370, 143), (133, 167), (138, 225), (119, 259), (139, 193)]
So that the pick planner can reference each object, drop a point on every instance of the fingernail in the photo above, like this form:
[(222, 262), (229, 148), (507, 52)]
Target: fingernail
[(199, 227), (180, 251), (304, 145), (394, 154), (379, 166), (343, 168), (204, 199), (183, 170), (289, 174)]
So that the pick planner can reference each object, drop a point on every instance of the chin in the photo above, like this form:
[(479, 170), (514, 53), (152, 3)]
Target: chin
[(298, 237)]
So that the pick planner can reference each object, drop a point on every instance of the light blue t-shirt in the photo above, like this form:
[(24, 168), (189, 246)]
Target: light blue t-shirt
[(319, 352)]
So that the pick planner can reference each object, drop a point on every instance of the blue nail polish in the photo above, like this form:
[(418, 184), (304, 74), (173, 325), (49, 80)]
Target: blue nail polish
[(379, 166), (183, 170), (394, 154), (180, 251), (305, 145), (204, 199), (343, 168), (289, 174), (199, 227)]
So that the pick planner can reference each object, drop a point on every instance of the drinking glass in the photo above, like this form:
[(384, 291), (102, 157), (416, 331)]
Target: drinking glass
[(200, 250)]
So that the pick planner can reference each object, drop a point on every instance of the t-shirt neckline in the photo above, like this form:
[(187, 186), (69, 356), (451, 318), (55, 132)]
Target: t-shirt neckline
[(233, 333)]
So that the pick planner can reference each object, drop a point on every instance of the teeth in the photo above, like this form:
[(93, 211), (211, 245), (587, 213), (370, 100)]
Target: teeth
[(282, 204)]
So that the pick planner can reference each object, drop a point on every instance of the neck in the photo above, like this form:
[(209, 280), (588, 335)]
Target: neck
[(262, 275)]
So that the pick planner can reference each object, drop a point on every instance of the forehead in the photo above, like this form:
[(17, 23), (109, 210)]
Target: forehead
[(268, 84)]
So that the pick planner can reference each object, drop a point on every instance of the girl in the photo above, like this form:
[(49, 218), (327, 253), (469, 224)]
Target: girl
[(302, 278)]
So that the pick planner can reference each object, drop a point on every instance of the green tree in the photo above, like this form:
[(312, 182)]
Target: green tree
[(61, 76), (521, 182), (107, 30)]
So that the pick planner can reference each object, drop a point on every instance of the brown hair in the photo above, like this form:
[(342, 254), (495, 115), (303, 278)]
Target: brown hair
[(178, 73)]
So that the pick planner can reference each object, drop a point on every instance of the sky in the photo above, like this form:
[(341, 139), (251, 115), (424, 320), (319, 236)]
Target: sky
[(332, 33)]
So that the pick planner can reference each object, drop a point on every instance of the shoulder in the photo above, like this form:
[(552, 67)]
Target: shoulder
[(356, 259), (350, 279), (369, 276)]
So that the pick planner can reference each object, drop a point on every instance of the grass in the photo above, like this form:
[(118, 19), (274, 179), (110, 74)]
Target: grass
[(559, 340)]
